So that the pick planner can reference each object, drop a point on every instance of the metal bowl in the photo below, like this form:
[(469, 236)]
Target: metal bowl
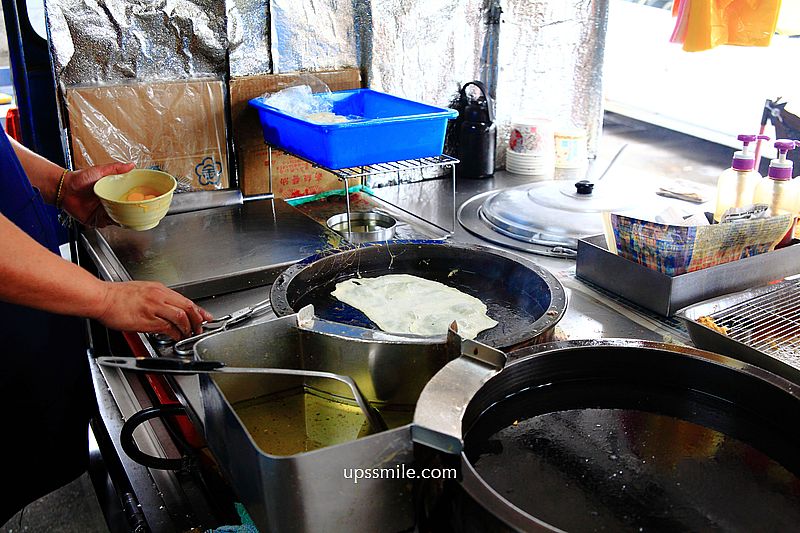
[(365, 226)]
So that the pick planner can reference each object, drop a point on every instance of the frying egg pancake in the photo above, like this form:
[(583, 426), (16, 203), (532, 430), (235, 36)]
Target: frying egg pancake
[(401, 303)]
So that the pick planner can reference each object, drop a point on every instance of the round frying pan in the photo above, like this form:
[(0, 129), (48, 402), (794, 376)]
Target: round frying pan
[(627, 436), (523, 298)]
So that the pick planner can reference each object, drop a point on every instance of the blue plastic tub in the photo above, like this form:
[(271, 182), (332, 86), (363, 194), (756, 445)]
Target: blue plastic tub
[(392, 129)]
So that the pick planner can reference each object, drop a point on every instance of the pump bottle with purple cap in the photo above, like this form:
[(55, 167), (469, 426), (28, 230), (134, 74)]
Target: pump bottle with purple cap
[(779, 191), (736, 185)]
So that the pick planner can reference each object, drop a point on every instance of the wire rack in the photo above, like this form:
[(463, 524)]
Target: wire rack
[(393, 167), (769, 323)]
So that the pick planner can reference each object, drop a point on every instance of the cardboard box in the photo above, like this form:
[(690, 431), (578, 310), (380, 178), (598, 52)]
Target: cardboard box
[(177, 127), (291, 177)]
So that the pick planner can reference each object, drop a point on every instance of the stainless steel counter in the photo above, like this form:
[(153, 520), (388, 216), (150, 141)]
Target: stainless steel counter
[(591, 313), (225, 250), (215, 251), (226, 258), (213, 255)]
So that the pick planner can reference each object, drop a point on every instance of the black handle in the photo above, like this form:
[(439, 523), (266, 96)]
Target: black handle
[(129, 444), (485, 91), (584, 187), (176, 363)]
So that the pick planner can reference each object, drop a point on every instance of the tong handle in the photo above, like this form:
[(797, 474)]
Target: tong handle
[(161, 363), (185, 347), (176, 365), (245, 314)]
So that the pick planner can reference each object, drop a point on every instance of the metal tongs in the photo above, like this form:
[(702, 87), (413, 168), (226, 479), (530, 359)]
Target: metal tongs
[(185, 347)]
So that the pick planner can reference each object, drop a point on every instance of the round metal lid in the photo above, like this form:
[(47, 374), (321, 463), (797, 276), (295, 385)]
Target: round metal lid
[(552, 212)]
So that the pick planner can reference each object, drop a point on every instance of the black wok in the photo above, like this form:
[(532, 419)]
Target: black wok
[(612, 435), (525, 299)]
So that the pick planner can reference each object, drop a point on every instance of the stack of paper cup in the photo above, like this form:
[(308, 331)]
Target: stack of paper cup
[(530, 147)]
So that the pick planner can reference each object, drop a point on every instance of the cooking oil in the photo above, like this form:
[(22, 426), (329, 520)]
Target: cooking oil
[(305, 419)]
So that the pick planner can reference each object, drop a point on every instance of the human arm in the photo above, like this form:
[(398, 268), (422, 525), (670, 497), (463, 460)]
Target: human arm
[(77, 189), (42, 173), (35, 277)]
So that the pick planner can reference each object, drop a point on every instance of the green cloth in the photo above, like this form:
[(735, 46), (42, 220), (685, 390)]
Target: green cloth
[(247, 525), (335, 192)]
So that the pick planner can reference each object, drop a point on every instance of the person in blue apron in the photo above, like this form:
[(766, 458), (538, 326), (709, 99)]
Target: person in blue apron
[(46, 396)]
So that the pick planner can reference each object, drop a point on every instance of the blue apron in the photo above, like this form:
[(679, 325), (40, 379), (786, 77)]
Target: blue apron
[(46, 395)]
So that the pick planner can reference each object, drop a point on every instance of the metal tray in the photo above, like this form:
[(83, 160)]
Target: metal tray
[(665, 295), (763, 327)]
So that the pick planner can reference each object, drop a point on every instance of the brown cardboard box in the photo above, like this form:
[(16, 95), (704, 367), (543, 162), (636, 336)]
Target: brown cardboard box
[(177, 127), (291, 177)]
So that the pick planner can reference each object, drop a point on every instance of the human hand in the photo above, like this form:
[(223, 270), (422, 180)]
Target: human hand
[(149, 307), (77, 194)]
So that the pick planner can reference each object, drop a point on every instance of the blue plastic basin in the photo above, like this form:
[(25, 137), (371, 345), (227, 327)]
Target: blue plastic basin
[(392, 129)]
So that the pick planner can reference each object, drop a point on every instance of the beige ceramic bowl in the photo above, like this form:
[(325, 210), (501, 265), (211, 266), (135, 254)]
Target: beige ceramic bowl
[(139, 214)]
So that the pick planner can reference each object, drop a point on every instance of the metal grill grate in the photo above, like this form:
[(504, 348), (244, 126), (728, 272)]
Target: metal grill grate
[(383, 168), (769, 323)]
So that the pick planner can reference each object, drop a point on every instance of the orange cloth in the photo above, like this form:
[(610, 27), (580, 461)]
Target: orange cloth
[(711, 23)]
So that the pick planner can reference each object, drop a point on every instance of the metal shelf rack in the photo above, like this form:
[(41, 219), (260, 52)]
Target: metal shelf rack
[(393, 167)]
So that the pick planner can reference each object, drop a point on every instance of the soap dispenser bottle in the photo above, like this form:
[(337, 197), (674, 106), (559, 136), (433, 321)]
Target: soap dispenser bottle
[(736, 185), (778, 190)]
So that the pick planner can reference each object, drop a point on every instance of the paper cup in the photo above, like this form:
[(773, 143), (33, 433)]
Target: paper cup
[(531, 136), (570, 148)]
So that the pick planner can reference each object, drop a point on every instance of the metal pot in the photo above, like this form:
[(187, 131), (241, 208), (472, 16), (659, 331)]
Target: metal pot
[(615, 434), (308, 491)]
